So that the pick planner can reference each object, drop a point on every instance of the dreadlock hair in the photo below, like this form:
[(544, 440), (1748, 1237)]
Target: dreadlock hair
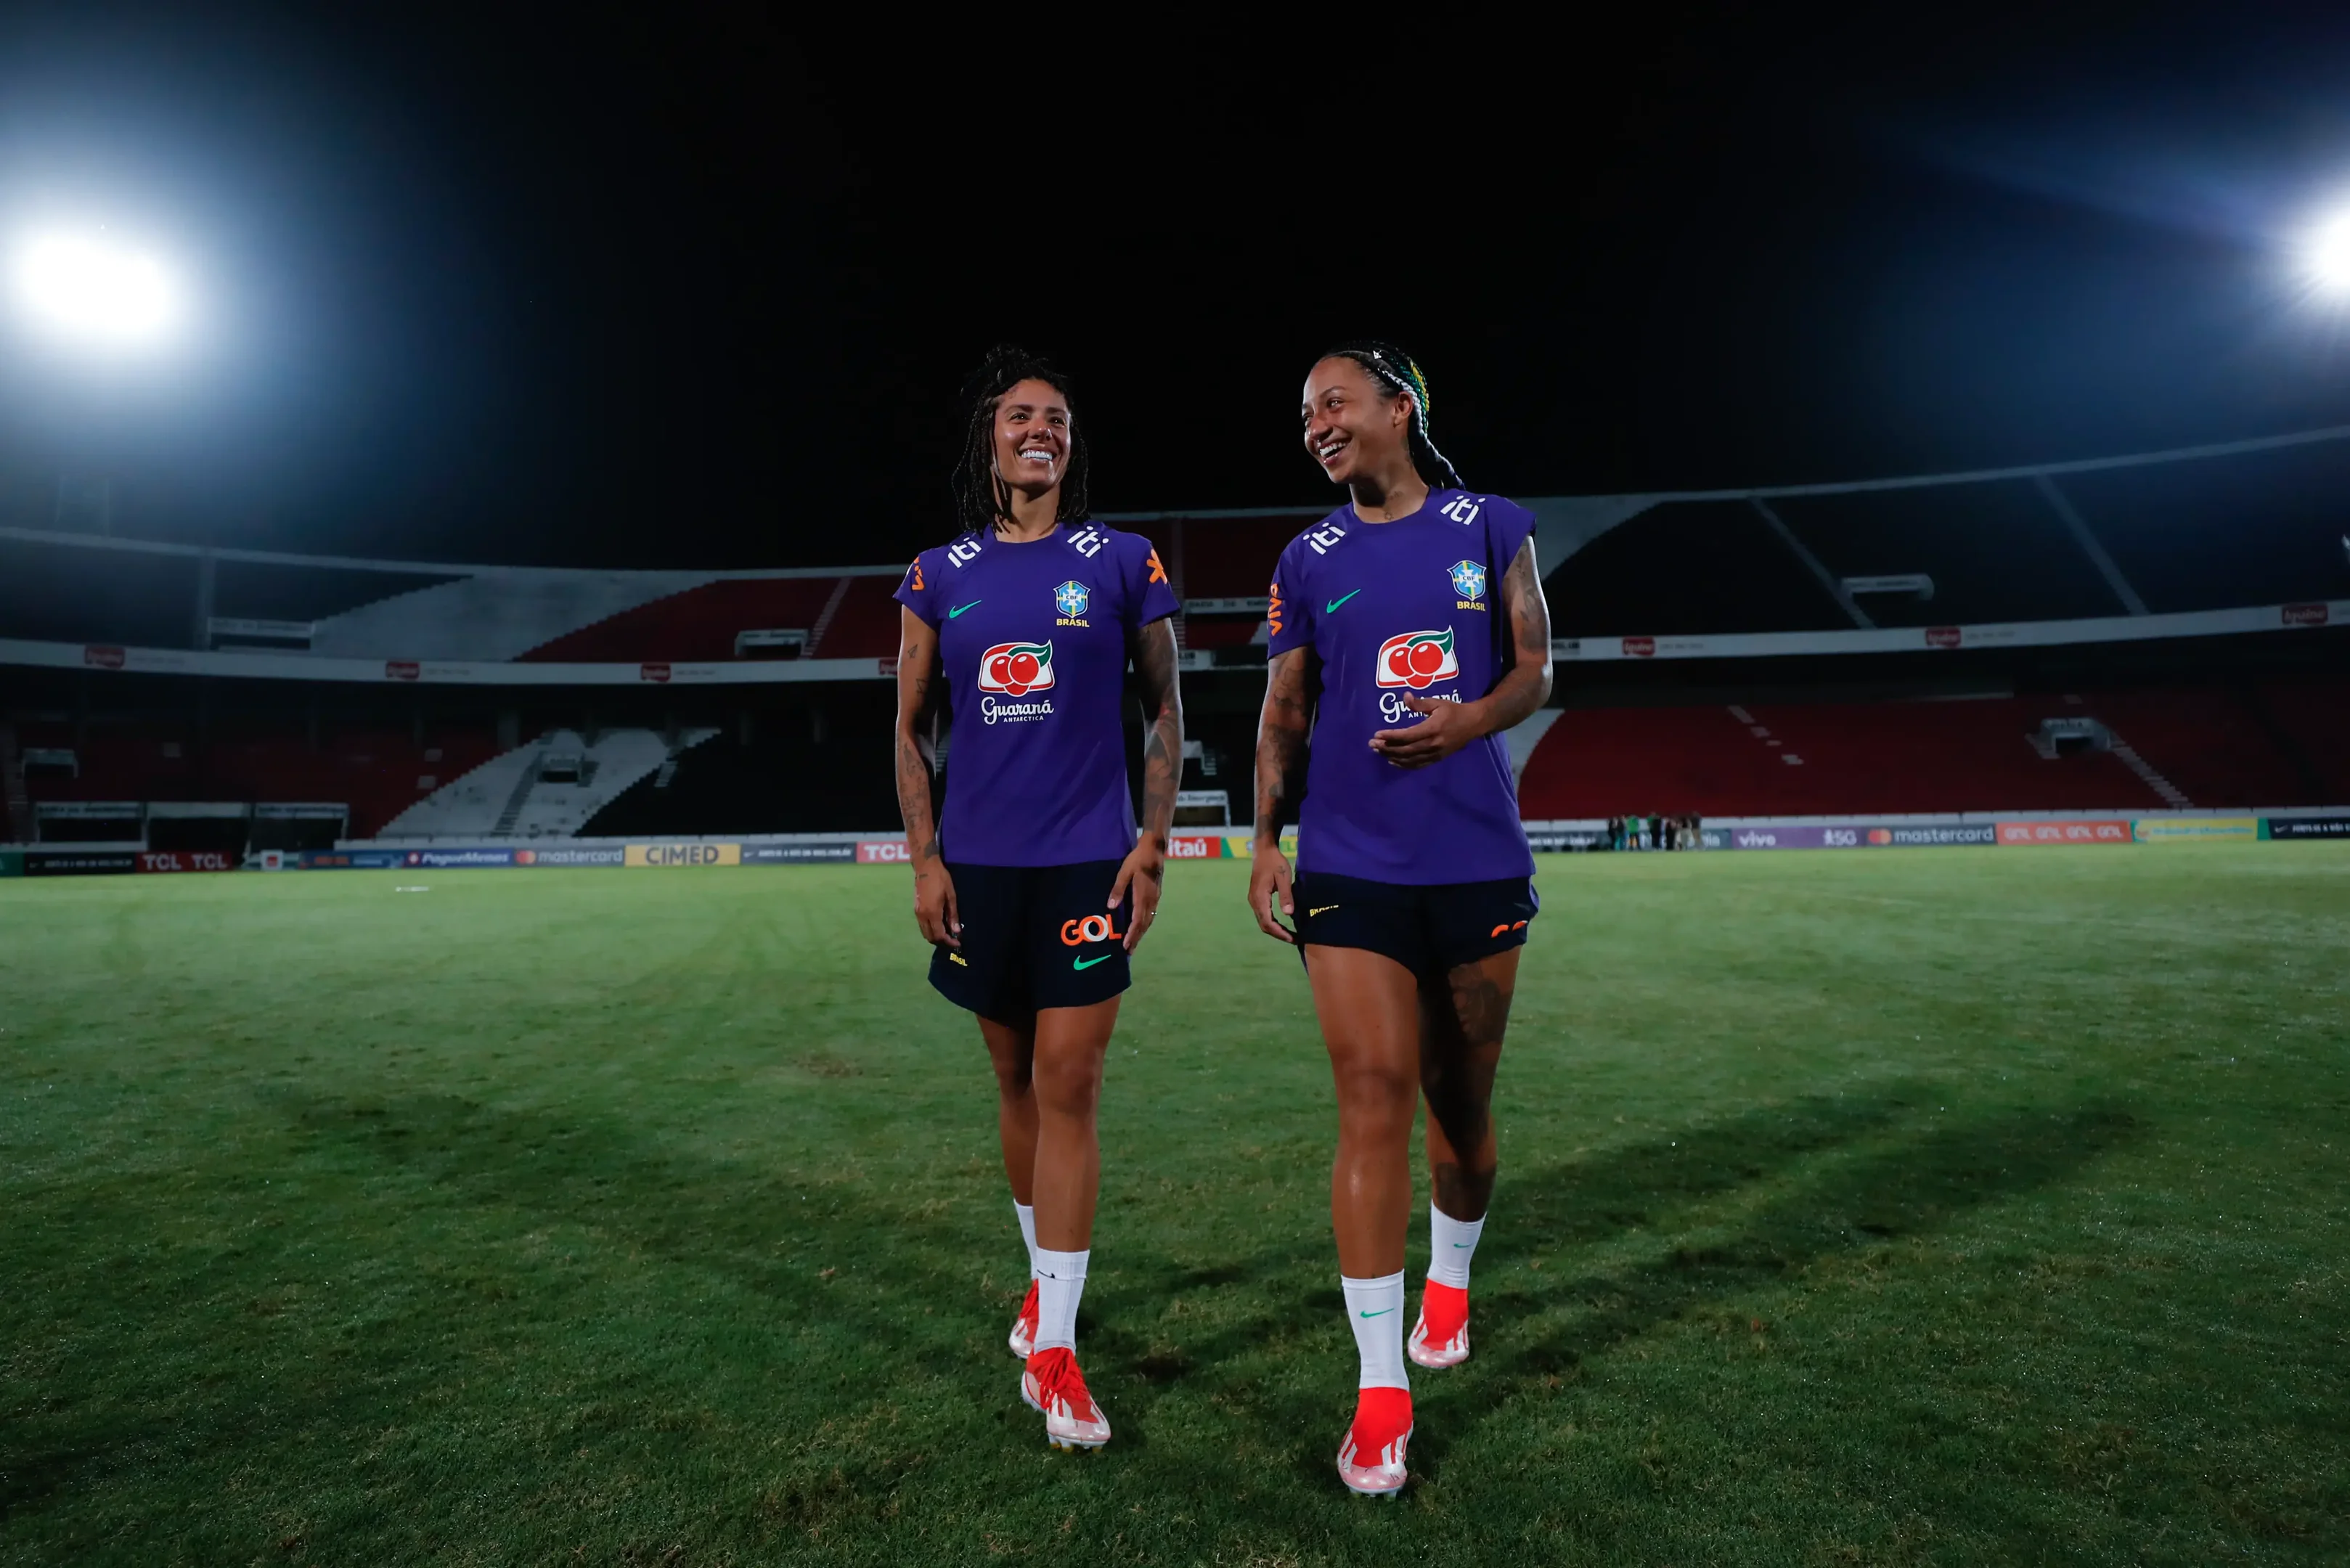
[(1400, 373), (983, 500)]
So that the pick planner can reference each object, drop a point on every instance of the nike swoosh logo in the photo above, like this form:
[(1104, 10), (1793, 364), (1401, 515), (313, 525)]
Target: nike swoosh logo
[(1088, 963), (1462, 1246), (1332, 607), (1383, 1310), (959, 608), (1323, 910)]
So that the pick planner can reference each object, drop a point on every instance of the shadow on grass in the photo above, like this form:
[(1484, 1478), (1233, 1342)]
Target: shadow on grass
[(1770, 1192), (1753, 1198)]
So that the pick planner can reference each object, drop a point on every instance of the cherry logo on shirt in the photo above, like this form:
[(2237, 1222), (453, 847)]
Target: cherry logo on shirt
[(1017, 669), (1418, 659)]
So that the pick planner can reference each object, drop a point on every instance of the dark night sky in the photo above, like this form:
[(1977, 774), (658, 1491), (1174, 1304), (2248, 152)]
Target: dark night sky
[(698, 289)]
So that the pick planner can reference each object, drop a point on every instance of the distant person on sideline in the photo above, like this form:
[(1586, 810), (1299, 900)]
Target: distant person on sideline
[(1416, 612), (1033, 886)]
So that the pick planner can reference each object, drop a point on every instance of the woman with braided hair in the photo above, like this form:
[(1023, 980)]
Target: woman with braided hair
[(1408, 631), (1032, 886)]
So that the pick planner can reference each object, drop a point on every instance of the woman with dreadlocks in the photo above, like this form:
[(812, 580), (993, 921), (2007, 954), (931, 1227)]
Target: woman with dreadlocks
[(1408, 631), (1033, 887)]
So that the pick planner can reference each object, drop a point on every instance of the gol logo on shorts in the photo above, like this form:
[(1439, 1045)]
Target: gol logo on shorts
[(1092, 928)]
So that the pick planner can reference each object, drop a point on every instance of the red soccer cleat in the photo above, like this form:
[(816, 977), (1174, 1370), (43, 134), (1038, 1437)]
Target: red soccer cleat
[(1371, 1460), (1052, 1385), (1440, 1338), (1023, 1326)]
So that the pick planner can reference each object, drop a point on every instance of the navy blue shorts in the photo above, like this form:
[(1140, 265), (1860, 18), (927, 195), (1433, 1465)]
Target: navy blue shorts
[(1431, 931), (1034, 937)]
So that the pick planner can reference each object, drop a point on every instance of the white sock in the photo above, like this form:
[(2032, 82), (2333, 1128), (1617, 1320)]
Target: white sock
[(1028, 1213), (1060, 1285), (1450, 1244), (1375, 1312)]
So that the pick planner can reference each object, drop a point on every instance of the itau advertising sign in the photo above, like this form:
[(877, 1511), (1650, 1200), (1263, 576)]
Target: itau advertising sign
[(2087, 830)]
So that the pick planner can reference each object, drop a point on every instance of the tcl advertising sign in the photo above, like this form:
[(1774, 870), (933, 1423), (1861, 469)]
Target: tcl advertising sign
[(164, 860), (883, 852), (2100, 831)]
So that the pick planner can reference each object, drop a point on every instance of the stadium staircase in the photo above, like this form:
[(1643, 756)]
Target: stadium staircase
[(826, 616), (546, 789), (2172, 795)]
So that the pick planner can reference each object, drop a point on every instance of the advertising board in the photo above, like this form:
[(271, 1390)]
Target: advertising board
[(349, 859), (1860, 836), (883, 852), (80, 862), (12, 863), (2271, 827), (2099, 830), (2193, 829), (671, 854), (602, 855), (1553, 841), (455, 860), (842, 853)]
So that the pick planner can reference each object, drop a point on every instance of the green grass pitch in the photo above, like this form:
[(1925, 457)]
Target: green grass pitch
[(1935, 1206)]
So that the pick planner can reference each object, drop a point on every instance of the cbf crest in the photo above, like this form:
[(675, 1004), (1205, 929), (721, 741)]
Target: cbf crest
[(1071, 598), (1469, 583)]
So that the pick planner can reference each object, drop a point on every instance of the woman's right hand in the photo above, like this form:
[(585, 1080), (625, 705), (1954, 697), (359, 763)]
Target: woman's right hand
[(1268, 886), (934, 905)]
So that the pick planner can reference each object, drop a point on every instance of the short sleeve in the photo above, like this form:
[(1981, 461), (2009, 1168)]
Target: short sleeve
[(916, 593), (1289, 607), (1147, 592), (1511, 526)]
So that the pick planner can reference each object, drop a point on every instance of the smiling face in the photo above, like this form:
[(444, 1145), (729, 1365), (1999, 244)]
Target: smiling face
[(1355, 427), (1032, 437)]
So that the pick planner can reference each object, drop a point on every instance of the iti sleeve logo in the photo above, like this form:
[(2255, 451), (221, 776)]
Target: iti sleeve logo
[(1418, 659), (1017, 669)]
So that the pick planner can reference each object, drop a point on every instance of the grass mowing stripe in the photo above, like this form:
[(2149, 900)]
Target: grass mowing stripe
[(1910, 1206)]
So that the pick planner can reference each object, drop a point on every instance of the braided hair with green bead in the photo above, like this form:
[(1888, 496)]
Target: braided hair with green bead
[(1400, 374)]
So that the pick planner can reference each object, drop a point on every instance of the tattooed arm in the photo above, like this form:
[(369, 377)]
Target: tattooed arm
[(1446, 727), (934, 897), (1162, 774), (1281, 730)]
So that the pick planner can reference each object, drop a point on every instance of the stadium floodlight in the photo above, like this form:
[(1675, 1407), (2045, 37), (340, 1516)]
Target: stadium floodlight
[(2326, 255), (86, 290)]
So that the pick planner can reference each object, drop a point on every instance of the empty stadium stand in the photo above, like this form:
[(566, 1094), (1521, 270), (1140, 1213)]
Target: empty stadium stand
[(2137, 750), (377, 772)]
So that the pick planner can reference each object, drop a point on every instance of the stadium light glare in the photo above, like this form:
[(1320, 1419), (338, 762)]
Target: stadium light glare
[(85, 290), (2327, 255)]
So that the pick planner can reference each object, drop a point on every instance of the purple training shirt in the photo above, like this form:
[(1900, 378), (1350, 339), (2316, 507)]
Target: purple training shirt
[(1408, 608), (1033, 637)]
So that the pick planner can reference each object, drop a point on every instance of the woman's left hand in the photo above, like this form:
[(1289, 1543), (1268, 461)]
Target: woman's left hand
[(1145, 864), (1448, 727)]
